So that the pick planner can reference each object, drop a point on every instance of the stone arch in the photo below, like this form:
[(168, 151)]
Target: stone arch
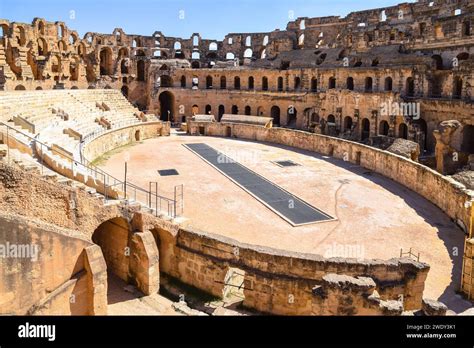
[(365, 129), (235, 110), (113, 236), (350, 83), (292, 115), (236, 82), (280, 83), (314, 84), (332, 82), (264, 83), (42, 47), (437, 62), (384, 128), (369, 84), (248, 53), (209, 82), (457, 87), (223, 82), (275, 115), (106, 61), (347, 124), (388, 85), (20, 88), (251, 82), (403, 131), (410, 87), (248, 110), (167, 101), (221, 112), (141, 70), (183, 81), (297, 83), (208, 109)]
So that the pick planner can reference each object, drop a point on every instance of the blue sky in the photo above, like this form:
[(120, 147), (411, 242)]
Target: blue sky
[(211, 18)]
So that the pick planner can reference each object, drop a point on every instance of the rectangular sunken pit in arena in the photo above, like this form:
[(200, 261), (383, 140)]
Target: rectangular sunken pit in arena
[(291, 208), (168, 172), (286, 163)]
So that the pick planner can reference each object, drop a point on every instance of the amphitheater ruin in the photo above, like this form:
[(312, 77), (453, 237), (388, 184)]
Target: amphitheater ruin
[(324, 169)]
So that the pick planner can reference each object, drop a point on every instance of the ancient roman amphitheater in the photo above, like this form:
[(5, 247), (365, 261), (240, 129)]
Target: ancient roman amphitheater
[(325, 169)]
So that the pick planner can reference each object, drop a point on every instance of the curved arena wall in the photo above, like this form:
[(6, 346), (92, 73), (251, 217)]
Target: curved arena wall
[(449, 195)]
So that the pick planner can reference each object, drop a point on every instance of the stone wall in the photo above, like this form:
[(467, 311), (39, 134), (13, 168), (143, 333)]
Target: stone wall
[(123, 136), (450, 196), (51, 276), (281, 282)]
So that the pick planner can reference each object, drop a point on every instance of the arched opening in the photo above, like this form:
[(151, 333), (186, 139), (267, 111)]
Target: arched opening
[(437, 62), (292, 115), (106, 63), (235, 110), (403, 131), (275, 114), (113, 238), (248, 110), (422, 133), (74, 69), (457, 87), (468, 139), (223, 82), (208, 82), (280, 84), (208, 109), (183, 81), (251, 82), (195, 109), (42, 47), (236, 82), (124, 66), (297, 83), (166, 81), (141, 70), (347, 125), (20, 88), (410, 87), (39, 88), (383, 128), (221, 112), (365, 131), (350, 83), (166, 106), (124, 90), (332, 83), (368, 84), (332, 120), (388, 84), (137, 135), (248, 53), (195, 65), (264, 83), (314, 85)]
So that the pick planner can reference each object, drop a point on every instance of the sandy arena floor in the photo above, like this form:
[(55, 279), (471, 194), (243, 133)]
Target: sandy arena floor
[(375, 217)]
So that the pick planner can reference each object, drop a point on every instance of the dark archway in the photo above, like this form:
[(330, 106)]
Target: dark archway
[(166, 106), (221, 112), (383, 128), (275, 114), (106, 63), (365, 132), (113, 238), (141, 70), (347, 123), (292, 115), (235, 110), (388, 84), (403, 131), (208, 109), (248, 110), (350, 83)]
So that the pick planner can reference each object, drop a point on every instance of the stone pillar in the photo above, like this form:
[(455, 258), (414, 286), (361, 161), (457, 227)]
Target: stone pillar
[(467, 281), (144, 263), (96, 268)]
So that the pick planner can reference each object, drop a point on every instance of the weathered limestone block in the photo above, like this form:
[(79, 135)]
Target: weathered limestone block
[(96, 268), (144, 263), (432, 307)]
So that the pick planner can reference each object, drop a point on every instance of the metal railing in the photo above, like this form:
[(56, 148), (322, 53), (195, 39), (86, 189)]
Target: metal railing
[(111, 187)]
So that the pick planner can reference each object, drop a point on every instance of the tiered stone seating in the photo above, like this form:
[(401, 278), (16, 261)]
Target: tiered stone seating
[(61, 119)]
